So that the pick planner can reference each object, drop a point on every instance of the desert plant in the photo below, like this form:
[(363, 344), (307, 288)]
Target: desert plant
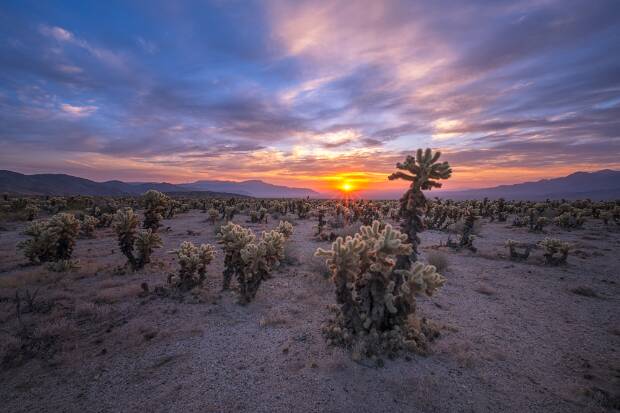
[(129, 239), (193, 261), (285, 228), (556, 251), (52, 240), (145, 243), (88, 225), (31, 212), (249, 259), (466, 236), (155, 206), (518, 251), (39, 248), (233, 238), (424, 173), (213, 215), (376, 300)]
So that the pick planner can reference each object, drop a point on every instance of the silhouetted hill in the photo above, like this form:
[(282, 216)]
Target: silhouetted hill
[(253, 188), (62, 184), (600, 185)]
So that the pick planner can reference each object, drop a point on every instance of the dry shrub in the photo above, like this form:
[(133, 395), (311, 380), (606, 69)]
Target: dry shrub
[(438, 259)]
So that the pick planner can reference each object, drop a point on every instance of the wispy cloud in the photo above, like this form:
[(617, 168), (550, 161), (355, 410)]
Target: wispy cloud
[(78, 111)]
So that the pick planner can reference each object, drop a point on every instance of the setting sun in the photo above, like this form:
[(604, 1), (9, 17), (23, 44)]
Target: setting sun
[(346, 187)]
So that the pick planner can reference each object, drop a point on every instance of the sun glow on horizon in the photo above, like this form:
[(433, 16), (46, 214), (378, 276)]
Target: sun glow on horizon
[(346, 186)]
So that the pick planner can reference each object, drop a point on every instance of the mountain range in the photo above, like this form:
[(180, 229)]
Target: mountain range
[(600, 185), (62, 184)]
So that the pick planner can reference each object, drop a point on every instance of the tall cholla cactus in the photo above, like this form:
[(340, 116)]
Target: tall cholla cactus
[(146, 242), (64, 229), (233, 238), (125, 225), (155, 207), (52, 240), (193, 261), (251, 260), (425, 171), (375, 300)]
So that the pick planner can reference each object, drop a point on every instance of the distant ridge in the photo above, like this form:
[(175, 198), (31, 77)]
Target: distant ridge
[(62, 184), (255, 188), (600, 185)]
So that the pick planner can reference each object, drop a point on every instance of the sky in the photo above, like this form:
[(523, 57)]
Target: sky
[(313, 94)]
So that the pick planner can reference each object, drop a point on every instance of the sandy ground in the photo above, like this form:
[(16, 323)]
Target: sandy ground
[(515, 337)]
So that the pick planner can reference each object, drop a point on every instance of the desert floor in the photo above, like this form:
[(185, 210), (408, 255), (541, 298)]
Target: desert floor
[(515, 336)]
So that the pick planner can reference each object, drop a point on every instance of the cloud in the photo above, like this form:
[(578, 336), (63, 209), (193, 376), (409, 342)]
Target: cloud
[(78, 111)]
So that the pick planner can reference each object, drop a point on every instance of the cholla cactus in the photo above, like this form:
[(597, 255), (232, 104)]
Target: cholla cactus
[(125, 225), (467, 237), (233, 238), (155, 207), (88, 226), (39, 248), (193, 261), (64, 229), (425, 172), (213, 215), (145, 243), (518, 251), (31, 212), (52, 240), (285, 228), (556, 251), (376, 300), (229, 213), (569, 220), (251, 260)]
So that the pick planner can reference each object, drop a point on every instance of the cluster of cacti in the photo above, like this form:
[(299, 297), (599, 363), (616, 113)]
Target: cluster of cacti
[(259, 215), (156, 205), (518, 251), (51, 240), (556, 251), (250, 259), (569, 219), (136, 246), (193, 261), (424, 171), (376, 301)]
